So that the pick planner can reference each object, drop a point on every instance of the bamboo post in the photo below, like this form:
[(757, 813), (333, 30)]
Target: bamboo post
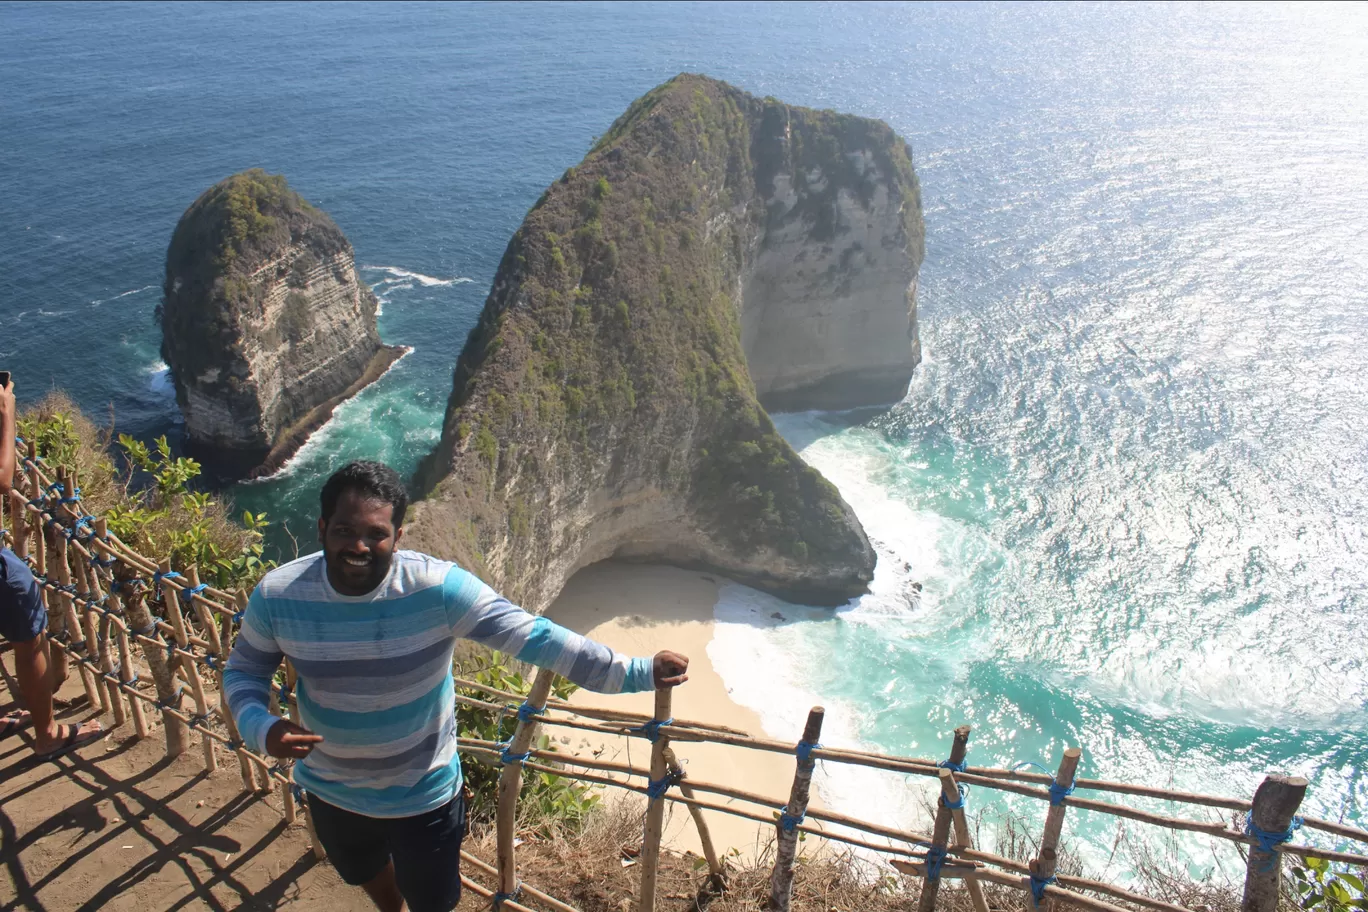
[(127, 673), (717, 875), (510, 784), (786, 844), (86, 571), (940, 833), (1045, 862), (245, 765), (73, 622), (655, 809), (170, 596), (163, 669), (1275, 804)]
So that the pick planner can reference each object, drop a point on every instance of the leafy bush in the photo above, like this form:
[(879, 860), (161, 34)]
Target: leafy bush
[(150, 506), (1318, 885), (547, 804)]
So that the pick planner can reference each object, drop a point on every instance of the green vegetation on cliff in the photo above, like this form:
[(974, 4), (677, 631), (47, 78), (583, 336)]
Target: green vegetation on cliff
[(609, 353)]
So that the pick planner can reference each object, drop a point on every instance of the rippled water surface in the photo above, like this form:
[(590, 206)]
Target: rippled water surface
[(1129, 476)]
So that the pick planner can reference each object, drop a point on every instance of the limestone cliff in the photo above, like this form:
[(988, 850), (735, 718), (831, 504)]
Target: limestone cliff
[(603, 406), (266, 324)]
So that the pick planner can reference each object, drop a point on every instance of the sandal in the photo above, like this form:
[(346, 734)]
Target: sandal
[(14, 722), (75, 738)]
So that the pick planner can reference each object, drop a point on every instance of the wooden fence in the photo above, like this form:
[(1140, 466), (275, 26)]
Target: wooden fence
[(101, 595)]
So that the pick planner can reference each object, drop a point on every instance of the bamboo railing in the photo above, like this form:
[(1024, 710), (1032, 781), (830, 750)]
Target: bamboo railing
[(100, 595)]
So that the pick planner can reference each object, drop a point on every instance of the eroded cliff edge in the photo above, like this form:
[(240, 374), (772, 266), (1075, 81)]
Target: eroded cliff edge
[(266, 324), (604, 405)]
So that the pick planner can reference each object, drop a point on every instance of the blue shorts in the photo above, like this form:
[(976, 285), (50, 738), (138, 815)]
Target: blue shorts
[(22, 615), (426, 850)]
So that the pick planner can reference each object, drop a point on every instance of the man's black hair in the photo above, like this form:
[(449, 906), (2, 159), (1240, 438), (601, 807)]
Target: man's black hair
[(372, 479)]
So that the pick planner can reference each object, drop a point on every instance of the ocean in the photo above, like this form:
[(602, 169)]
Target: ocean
[(1129, 475)]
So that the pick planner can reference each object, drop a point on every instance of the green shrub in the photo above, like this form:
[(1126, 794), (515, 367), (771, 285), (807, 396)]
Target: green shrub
[(548, 804)]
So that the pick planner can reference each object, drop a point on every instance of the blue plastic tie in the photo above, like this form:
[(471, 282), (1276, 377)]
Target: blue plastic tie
[(958, 804), (526, 712), (651, 729), (285, 696), (788, 823), (1057, 792), (1038, 885), (297, 792), (506, 756), (85, 522), (935, 861), (238, 616), (804, 751), (951, 765), (1269, 841), (657, 788), (173, 701), (145, 631), (159, 576), (56, 488), (188, 595), (74, 498), (500, 898)]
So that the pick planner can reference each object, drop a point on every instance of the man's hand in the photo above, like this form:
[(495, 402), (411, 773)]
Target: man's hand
[(285, 739), (669, 668)]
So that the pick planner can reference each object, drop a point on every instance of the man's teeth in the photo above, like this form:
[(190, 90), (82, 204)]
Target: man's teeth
[(357, 561)]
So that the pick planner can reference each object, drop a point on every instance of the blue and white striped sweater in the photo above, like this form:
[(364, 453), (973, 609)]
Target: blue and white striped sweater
[(375, 674)]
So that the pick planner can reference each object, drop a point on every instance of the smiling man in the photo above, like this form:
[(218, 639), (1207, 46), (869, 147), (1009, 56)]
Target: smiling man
[(370, 630)]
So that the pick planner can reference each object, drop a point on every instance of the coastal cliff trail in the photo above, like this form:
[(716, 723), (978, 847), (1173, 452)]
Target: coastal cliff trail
[(117, 825)]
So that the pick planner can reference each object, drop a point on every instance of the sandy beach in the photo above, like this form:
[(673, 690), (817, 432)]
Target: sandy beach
[(641, 609)]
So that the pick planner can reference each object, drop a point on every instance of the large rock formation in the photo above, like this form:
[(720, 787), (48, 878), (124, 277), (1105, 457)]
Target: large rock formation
[(603, 406), (266, 324)]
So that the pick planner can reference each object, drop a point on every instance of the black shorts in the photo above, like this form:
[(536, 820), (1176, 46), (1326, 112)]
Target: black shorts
[(22, 615), (426, 850)]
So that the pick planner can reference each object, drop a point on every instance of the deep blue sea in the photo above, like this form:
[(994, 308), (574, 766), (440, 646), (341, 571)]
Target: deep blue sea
[(1130, 473)]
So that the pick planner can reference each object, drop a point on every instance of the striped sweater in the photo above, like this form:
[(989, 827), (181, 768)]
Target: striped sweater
[(375, 674)]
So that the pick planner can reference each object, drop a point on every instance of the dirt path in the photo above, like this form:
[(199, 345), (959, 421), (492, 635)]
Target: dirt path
[(117, 826)]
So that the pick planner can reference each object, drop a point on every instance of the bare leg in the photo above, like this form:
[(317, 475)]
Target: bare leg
[(35, 682), (384, 891)]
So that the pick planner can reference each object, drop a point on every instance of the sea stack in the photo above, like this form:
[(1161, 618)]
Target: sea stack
[(714, 253), (266, 324)]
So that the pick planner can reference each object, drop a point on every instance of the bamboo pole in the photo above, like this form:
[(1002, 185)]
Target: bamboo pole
[(86, 570), (717, 874), (127, 675), (940, 831), (1042, 869), (786, 836), (163, 669), (510, 784), (1044, 865), (73, 622), (170, 597), (655, 810), (1275, 804), (538, 895), (225, 650)]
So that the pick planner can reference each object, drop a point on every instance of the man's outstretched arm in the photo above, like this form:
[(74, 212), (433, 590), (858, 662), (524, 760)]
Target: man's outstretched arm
[(481, 614)]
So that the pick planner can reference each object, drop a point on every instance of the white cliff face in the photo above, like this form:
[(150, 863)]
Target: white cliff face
[(828, 316)]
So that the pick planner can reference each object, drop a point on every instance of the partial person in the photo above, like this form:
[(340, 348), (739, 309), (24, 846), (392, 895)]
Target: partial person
[(23, 623), (370, 630)]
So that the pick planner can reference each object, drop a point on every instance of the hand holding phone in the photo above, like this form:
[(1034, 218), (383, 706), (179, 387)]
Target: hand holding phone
[(4, 379)]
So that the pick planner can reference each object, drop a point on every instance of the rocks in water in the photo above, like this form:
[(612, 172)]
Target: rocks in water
[(712, 252), (266, 324)]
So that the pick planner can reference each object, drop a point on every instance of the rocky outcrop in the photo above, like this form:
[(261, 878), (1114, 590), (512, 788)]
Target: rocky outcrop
[(266, 324), (712, 251)]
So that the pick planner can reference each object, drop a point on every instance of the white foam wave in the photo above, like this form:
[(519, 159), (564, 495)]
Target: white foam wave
[(99, 301), (160, 378), (396, 275), (762, 655), (340, 416)]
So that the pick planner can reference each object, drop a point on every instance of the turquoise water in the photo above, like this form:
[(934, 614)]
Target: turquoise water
[(1131, 474)]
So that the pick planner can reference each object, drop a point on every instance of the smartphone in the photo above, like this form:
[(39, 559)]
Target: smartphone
[(4, 379)]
